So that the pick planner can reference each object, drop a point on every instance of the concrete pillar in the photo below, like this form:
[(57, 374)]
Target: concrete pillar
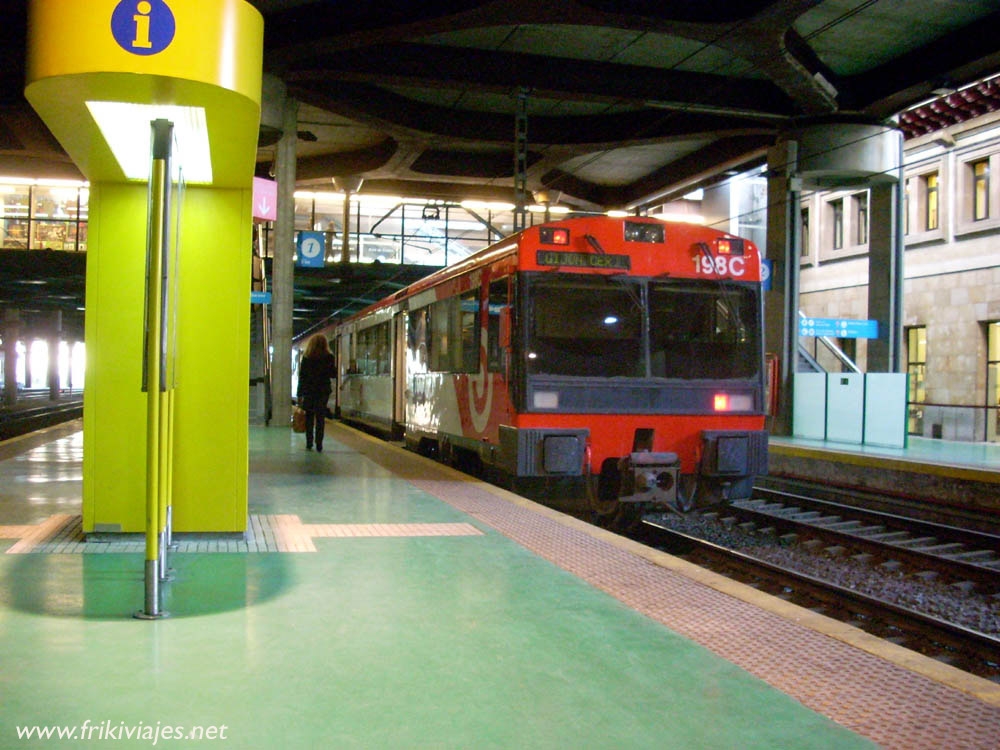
[(27, 338), (345, 244), (781, 304), (349, 185), (53, 343), (283, 269), (884, 269), (11, 330)]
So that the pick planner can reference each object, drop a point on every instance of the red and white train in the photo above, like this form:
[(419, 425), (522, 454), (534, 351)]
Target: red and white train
[(624, 354)]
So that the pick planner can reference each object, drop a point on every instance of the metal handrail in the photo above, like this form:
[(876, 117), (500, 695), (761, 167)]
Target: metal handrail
[(835, 350)]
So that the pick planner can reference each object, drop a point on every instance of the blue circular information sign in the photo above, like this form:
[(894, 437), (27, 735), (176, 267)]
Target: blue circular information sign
[(143, 27)]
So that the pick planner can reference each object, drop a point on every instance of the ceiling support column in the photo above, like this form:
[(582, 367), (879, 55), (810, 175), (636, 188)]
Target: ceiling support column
[(11, 329), (53, 343), (885, 272), (283, 269), (521, 161), (781, 303)]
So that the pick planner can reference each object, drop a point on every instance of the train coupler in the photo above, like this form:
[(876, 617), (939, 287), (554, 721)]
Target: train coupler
[(649, 478)]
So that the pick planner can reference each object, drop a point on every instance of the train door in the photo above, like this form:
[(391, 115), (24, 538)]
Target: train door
[(399, 373), (498, 338), (335, 348)]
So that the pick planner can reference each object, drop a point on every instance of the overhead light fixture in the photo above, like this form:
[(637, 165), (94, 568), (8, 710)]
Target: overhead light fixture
[(551, 209), (689, 218), (487, 205), (125, 127), (616, 214)]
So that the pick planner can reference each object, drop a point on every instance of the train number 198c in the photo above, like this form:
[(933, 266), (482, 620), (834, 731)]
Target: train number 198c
[(720, 265)]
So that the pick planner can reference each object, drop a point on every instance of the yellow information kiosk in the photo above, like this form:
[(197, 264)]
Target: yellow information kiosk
[(99, 72)]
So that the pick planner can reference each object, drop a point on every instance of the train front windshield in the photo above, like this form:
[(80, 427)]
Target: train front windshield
[(596, 326)]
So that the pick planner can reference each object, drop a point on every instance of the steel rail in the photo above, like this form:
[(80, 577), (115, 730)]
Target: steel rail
[(981, 645)]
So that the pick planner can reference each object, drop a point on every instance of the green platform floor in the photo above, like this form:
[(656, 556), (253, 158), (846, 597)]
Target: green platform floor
[(395, 643), (920, 450)]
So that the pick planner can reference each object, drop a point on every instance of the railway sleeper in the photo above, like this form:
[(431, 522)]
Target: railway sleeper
[(808, 515), (965, 587), (866, 531), (890, 536), (977, 556), (846, 526), (828, 522), (918, 541), (943, 549)]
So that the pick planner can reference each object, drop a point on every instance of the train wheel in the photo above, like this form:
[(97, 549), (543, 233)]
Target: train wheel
[(602, 496), (626, 519)]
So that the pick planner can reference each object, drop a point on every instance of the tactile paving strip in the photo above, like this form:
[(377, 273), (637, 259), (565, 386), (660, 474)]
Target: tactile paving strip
[(891, 705), (63, 533)]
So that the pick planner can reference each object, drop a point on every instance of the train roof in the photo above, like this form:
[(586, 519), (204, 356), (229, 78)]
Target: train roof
[(510, 244)]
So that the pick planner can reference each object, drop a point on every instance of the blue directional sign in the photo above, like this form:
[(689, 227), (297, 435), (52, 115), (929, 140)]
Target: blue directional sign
[(766, 269), (260, 298), (840, 328), (310, 250)]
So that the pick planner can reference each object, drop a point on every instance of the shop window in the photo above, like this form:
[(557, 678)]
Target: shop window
[(860, 218), (980, 190), (42, 217), (993, 382), (916, 371), (930, 201)]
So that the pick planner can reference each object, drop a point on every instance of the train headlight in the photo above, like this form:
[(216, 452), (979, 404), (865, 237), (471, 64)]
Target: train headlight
[(732, 402), (546, 400)]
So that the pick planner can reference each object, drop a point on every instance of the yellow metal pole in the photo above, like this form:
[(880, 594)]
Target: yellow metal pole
[(155, 376), (154, 321)]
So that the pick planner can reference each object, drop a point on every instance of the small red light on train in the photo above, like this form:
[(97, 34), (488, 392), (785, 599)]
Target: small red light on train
[(560, 237)]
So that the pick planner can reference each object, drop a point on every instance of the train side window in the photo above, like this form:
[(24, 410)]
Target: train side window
[(468, 321), (417, 339), (499, 299), (454, 326), (382, 348), (441, 344)]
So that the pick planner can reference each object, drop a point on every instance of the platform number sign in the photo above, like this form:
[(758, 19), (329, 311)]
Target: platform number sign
[(310, 249), (143, 27)]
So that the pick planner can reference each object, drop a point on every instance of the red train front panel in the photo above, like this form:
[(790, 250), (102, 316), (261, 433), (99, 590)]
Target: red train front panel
[(600, 339)]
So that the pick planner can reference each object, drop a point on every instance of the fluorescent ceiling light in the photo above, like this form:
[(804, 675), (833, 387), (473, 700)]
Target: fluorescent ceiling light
[(125, 127), (454, 225), (551, 209), (487, 205), (42, 182), (695, 195), (689, 218), (617, 214)]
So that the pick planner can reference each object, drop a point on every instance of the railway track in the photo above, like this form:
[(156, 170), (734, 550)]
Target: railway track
[(963, 647), (24, 420), (915, 507), (968, 560)]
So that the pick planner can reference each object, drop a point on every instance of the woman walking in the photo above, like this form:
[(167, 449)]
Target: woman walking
[(315, 371)]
